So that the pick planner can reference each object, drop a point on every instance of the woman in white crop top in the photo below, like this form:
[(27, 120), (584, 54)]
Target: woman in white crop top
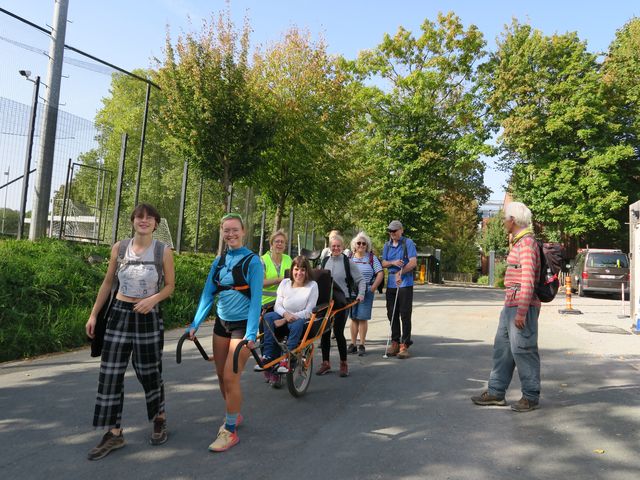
[(134, 328), (296, 298)]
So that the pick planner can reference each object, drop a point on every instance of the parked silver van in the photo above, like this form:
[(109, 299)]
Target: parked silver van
[(598, 270)]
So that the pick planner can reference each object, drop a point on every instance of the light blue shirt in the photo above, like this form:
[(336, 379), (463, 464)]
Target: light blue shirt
[(233, 305), (391, 252)]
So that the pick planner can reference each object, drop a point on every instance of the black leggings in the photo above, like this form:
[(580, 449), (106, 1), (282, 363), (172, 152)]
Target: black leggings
[(339, 321)]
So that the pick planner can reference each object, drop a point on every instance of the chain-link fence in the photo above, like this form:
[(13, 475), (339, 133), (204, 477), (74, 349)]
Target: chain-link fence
[(87, 156)]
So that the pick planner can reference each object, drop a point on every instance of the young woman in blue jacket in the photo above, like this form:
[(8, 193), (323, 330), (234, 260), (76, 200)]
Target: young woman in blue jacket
[(237, 317)]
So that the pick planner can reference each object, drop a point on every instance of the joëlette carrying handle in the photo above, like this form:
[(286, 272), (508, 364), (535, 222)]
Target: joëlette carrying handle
[(236, 354), (184, 337)]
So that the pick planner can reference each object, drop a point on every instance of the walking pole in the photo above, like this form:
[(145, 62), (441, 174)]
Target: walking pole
[(393, 315)]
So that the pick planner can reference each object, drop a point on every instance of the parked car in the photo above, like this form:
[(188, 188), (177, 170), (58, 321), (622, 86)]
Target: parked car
[(598, 270)]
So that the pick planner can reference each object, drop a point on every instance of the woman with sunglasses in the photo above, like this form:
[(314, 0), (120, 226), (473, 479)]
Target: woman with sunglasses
[(372, 272), (276, 263), (346, 285), (236, 279)]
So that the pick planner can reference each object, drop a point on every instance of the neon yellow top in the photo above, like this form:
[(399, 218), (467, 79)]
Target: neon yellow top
[(270, 272)]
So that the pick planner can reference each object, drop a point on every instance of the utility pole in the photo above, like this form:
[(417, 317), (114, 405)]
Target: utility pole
[(44, 172)]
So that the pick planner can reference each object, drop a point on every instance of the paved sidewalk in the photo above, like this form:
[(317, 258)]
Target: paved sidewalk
[(391, 419)]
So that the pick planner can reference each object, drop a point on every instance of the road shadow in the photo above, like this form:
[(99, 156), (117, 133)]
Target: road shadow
[(390, 419)]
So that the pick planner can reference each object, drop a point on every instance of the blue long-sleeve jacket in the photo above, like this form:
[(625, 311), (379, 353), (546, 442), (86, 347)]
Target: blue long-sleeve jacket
[(233, 305)]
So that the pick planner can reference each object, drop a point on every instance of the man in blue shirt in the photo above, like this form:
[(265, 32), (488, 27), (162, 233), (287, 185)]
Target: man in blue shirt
[(399, 255)]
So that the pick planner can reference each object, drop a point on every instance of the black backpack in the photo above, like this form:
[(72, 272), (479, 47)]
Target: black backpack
[(550, 265), (353, 291), (239, 273)]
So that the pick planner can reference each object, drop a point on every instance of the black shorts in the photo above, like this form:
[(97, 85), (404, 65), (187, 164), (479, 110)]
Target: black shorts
[(230, 329)]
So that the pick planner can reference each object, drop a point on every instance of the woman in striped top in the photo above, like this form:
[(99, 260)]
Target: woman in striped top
[(372, 272)]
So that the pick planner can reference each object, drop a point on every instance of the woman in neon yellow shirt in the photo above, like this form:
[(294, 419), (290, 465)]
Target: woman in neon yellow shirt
[(275, 262)]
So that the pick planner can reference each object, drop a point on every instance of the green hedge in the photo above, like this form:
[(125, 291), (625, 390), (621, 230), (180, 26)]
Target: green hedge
[(47, 289)]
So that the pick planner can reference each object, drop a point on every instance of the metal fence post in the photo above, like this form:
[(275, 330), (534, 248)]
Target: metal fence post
[(183, 199)]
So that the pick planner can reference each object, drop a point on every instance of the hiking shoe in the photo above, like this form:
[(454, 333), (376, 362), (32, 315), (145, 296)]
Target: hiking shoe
[(276, 381), (344, 369), (224, 441), (525, 405), (404, 352), (484, 399), (393, 349), (351, 349), (283, 367), (159, 434), (108, 443), (325, 367), (361, 351)]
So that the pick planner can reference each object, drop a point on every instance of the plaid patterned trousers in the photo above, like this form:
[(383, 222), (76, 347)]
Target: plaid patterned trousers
[(129, 333)]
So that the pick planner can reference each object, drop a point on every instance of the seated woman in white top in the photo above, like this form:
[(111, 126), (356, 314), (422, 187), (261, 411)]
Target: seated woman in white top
[(296, 298)]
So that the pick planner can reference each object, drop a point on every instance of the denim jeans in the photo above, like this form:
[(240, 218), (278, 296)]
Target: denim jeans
[(515, 348), (296, 329)]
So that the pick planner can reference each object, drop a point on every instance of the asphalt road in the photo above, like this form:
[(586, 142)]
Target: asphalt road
[(391, 419)]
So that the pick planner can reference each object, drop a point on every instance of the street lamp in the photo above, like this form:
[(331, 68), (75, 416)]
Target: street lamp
[(4, 210), (27, 162)]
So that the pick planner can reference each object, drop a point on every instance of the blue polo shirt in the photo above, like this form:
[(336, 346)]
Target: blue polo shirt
[(391, 252)]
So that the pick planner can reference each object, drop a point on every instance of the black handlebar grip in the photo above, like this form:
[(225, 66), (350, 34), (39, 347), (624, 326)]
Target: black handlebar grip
[(184, 336), (236, 354)]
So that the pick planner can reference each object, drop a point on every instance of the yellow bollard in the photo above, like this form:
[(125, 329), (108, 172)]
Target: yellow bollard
[(422, 274), (567, 294)]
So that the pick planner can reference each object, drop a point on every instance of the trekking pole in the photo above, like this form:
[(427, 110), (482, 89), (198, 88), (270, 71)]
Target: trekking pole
[(393, 314)]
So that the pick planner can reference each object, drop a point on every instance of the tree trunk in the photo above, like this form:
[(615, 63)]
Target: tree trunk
[(228, 197), (277, 222)]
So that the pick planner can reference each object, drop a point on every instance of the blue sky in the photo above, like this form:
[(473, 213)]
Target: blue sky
[(129, 33)]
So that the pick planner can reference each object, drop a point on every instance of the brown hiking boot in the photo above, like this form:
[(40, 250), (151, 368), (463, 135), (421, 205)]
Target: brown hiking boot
[(159, 434), (108, 443), (484, 399), (325, 367), (393, 349), (344, 369), (525, 405), (404, 351)]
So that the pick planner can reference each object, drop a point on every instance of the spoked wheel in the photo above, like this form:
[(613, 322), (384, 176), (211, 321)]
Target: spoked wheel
[(299, 376)]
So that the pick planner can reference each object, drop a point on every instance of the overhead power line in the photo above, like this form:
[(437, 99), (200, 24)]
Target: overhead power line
[(72, 61)]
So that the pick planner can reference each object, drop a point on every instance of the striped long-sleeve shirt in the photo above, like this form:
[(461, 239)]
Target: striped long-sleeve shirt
[(523, 269)]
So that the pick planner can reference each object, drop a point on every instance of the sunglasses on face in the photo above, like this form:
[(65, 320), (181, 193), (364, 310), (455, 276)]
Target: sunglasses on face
[(392, 231), (361, 243)]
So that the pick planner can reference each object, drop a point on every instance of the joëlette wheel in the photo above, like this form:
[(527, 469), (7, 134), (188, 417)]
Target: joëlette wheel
[(299, 377)]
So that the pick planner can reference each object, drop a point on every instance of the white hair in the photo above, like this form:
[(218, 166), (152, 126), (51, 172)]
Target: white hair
[(361, 236), (519, 212), (337, 238)]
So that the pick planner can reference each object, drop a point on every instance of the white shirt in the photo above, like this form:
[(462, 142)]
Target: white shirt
[(298, 301)]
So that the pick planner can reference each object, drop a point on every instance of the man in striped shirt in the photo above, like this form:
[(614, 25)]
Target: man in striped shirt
[(516, 342)]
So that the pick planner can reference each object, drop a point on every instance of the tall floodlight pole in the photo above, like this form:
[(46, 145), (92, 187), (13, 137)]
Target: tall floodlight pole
[(44, 172), (27, 160), (143, 137)]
